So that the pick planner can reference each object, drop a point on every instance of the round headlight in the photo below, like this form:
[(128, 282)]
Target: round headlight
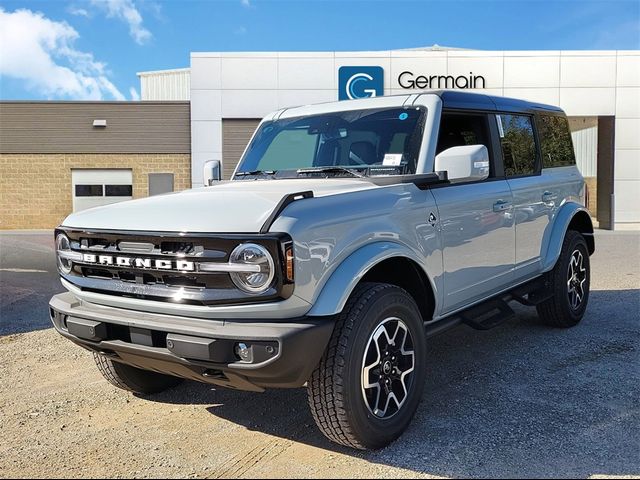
[(258, 271), (63, 246)]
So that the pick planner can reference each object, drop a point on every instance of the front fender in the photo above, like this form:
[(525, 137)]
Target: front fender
[(554, 237), (343, 280)]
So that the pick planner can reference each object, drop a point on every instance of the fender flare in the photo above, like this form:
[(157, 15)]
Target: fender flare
[(337, 289), (552, 241)]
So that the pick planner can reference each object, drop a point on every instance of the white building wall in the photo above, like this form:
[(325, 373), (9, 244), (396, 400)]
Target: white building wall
[(583, 83)]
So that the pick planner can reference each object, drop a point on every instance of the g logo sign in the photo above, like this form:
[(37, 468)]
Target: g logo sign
[(360, 82)]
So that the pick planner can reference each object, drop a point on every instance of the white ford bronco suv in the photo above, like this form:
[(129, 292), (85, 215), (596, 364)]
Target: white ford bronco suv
[(350, 233)]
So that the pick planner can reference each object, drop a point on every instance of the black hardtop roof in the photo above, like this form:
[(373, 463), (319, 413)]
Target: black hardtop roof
[(456, 99)]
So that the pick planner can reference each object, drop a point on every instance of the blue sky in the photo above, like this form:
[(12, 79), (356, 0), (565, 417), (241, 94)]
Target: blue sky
[(92, 49)]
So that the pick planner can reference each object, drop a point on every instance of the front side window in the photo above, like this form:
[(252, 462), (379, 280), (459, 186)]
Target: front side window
[(368, 142), (555, 141), (518, 144), (460, 129)]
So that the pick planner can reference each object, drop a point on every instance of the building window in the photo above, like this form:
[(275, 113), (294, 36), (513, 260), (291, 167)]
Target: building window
[(118, 190), (88, 190)]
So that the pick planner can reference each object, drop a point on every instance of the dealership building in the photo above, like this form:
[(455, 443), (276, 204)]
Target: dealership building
[(210, 110)]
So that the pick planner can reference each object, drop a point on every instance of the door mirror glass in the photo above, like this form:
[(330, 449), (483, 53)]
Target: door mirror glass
[(464, 163), (212, 172)]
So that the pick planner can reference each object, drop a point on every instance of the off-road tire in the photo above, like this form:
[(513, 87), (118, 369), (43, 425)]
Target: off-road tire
[(132, 379), (335, 391), (557, 311)]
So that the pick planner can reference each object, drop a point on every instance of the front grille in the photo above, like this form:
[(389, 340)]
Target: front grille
[(191, 287)]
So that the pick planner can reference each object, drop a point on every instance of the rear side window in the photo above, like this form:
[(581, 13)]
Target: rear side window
[(555, 142), (518, 144)]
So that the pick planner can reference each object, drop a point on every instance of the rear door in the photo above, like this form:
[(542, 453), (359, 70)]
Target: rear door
[(533, 200), (476, 218)]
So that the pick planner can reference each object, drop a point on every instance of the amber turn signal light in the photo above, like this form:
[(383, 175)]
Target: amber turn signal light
[(288, 255)]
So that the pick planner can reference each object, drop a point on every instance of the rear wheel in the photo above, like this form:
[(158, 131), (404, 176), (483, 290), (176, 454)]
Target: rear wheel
[(134, 379), (369, 382), (569, 281)]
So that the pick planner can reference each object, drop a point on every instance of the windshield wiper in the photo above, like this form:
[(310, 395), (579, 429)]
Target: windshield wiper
[(255, 172), (330, 169)]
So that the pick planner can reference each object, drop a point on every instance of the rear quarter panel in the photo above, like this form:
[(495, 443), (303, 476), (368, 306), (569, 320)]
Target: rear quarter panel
[(569, 185)]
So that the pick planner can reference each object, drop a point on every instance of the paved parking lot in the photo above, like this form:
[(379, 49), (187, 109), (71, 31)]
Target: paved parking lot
[(519, 400)]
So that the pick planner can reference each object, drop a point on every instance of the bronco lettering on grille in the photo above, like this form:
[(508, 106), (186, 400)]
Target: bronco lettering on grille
[(137, 262)]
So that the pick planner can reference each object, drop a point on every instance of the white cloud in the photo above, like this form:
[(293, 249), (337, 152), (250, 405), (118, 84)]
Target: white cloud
[(42, 54), (240, 30), (77, 11), (126, 11), (135, 96), (245, 3)]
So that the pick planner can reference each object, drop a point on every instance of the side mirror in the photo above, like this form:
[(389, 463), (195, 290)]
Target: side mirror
[(467, 162), (212, 172)]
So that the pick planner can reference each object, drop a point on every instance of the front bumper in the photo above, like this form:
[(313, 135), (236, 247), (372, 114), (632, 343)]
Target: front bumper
[(281, 353)]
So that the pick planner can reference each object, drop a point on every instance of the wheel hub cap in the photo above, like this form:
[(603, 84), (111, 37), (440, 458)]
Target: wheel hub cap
[(387, 368)]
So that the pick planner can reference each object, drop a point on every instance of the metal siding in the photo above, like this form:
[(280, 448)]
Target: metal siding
[(165, 85), (67, 127), (235, 137)]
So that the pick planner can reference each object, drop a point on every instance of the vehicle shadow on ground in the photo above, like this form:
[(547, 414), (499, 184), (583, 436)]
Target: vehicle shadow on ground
[(520, 400)]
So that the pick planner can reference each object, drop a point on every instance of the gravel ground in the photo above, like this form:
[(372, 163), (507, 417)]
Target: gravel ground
[(517, 401)]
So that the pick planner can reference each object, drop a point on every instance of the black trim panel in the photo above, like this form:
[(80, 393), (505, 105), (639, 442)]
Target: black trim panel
[(207, 353), (282, 204)]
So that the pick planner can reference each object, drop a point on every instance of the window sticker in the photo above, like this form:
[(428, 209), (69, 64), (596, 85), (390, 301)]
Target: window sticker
[(392, 159), (403, 116), (500, 129)]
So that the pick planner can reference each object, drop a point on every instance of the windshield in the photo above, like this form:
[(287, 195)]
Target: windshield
[(358, 142)]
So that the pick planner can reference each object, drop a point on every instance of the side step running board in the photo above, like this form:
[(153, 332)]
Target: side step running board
[(495, 311), (487, 315), (532, 293)]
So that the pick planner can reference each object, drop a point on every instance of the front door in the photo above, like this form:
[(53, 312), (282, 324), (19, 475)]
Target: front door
[(476, 220)]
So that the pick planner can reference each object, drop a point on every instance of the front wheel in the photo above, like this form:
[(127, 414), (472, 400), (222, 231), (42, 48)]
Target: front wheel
[(369, 382), (569, 281), (132, 379)]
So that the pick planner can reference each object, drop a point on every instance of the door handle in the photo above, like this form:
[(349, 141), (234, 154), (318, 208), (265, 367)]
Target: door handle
[(549, 197), (501, 206)]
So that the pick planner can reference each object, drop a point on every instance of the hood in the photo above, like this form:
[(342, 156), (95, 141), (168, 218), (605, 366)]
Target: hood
[(240, 206)]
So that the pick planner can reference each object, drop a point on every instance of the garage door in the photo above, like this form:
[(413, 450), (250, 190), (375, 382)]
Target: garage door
[(236, 133), (94, 187)]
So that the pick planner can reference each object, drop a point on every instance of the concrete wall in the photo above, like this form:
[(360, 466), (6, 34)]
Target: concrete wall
[(583, 83), (35, 189)]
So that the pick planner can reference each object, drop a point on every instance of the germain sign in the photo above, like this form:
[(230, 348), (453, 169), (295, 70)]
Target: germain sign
[(368, 81), (409, 80), (360, 82)]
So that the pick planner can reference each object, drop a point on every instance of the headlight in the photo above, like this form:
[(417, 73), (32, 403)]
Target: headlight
[(259, 270), (63, 251)]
